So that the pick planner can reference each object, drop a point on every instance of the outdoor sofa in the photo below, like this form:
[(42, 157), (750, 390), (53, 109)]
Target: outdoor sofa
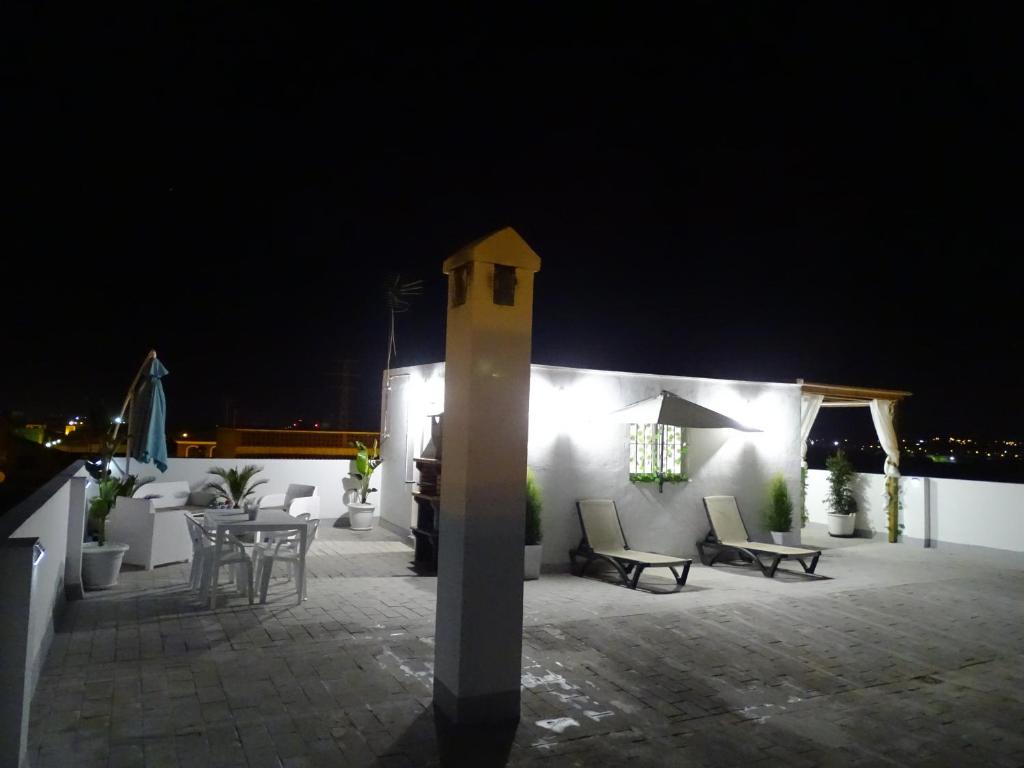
[(603, 539), (728, 536), (152, 523)]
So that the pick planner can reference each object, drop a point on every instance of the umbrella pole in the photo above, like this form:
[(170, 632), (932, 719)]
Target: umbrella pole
[(124, 407)]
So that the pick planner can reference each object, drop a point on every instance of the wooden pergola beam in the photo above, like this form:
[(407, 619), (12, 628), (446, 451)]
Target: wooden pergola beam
[(839, 393)]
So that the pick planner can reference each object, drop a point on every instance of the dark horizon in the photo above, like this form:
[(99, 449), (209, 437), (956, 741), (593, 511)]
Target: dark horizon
[(234, 191)]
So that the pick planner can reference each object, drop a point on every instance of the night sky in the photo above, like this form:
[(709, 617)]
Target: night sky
[(719, 194)]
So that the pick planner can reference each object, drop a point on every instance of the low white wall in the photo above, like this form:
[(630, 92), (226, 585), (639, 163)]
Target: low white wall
[(935, 510), (50, 525), (869, 491), (329, 475), (577, 452), (32, 596)]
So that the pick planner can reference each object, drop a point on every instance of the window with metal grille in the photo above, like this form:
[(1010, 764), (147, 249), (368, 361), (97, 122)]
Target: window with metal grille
[(657, 454)]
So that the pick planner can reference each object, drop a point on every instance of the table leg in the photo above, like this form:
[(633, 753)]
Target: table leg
[(217, 539), (303, 533)]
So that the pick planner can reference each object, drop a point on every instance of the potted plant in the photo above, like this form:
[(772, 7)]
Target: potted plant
[(532, 556), (360, 513), (778, 515), (841, 502), (101, 559), (236, 484)]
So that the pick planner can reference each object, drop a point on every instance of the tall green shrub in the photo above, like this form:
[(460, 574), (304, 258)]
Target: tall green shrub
[(841, 479), (803, 497), (778, 515), (533, 510)]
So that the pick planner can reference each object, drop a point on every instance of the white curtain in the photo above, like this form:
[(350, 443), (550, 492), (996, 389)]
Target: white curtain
[(881, 414), (809, 407)]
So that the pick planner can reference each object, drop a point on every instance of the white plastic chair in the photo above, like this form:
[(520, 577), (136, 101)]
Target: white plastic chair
[(284, 500), (202, 545), (235, 555), (283, 549)]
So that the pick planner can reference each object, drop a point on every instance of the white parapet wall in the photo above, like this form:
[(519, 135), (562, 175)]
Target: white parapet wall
[(32, 580), (329, 475), (934, 510), (576, 451)]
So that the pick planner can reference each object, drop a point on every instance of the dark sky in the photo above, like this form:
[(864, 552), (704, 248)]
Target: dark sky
[(830, 194)]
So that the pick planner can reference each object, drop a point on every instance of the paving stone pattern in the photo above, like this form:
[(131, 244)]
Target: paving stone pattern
[(896, 656)]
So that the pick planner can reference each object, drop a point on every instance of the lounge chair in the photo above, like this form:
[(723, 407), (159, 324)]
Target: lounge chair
[(728, 534), (604, 539)]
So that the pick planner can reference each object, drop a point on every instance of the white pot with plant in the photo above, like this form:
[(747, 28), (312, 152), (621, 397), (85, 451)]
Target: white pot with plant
[(360, 513), (101, 559), (842, 516), (534, 549), (778, 515)]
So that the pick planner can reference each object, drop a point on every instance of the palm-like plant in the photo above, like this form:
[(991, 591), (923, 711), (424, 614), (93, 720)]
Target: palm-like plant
[(236, 485), (397, 301), (396, 297), (110, 488), (367, 461)]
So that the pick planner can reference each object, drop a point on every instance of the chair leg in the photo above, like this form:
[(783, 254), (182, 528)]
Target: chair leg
[(267, 564), (813, 565), (204, 579), (770, 571), (248, 581), (681, 580), (638, 569)]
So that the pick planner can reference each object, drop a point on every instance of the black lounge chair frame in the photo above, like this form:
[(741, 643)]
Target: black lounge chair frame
[(749, 554), (628, 570)]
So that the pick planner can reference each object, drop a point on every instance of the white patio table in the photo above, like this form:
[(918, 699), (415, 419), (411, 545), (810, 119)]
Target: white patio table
[(220, 521)]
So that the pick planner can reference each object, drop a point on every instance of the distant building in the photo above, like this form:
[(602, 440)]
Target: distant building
[(231, 443)]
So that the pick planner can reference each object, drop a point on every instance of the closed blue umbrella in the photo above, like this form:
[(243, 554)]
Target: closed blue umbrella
[(147, 419)]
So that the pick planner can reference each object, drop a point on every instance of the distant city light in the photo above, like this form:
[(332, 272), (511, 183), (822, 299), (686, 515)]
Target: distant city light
[(184, 434), (835, 442), (118, 420)]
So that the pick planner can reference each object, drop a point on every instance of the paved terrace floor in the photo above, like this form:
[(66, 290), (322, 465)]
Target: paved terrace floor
[(896, 656)]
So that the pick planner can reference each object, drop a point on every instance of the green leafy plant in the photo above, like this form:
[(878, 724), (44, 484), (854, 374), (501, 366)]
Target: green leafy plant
[(804, 517), (534, 506), (841, 479), (110, 488), (778, 515), (236, 484), (658, 477), (367, 460)]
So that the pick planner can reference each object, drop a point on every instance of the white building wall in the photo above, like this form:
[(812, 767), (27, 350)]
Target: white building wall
[(935, 510), (577, 452)]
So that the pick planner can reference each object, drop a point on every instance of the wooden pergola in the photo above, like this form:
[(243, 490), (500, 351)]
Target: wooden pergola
[(838, 396)]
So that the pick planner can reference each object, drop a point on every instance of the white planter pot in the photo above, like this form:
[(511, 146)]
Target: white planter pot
[(841, 525), (531, 561), (101, 564), (786, 538), (360, 516)]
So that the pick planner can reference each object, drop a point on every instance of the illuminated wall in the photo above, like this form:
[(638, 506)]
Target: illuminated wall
[(577, 452)]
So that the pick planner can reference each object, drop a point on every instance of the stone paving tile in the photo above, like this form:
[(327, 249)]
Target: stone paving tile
[(893, 657)]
